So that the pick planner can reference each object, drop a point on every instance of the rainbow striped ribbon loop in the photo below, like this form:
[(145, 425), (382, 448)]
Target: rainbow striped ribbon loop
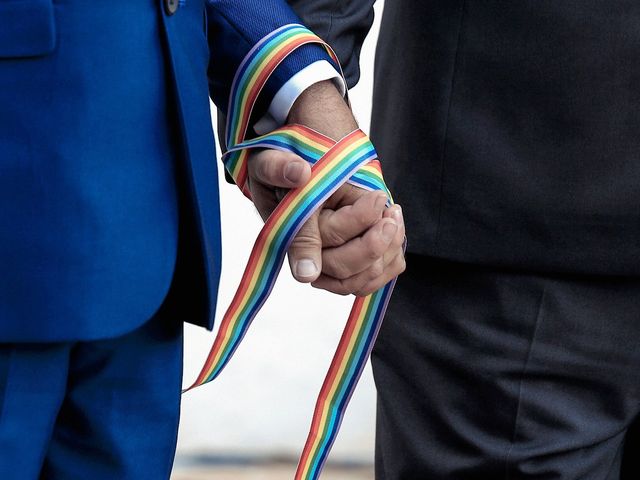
[(353, 160)]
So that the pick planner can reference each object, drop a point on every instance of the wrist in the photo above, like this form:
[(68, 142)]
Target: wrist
[(322, 108)]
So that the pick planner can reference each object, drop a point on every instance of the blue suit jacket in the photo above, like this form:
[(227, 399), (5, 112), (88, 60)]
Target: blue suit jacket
[(108, 183)]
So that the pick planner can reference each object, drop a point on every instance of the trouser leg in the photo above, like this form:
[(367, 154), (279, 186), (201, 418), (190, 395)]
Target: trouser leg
[(493, 374), (33, 381), (631, 453), (119, 419)]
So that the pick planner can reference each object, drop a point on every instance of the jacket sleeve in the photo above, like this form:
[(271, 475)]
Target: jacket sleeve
[(233, 28), (342, 24)]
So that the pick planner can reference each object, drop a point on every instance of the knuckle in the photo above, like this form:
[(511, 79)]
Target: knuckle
[(263, 169), (398, 240), (362, 219), (403, 267), (340, 270), (376, 270), (329, 286), (306, 240), (367, 288), (271, 155), (341, 288), (358, 284), (373, 247), (334, 236)]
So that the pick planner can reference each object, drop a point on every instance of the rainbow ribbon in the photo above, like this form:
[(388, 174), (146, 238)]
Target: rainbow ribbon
[(353, 160)]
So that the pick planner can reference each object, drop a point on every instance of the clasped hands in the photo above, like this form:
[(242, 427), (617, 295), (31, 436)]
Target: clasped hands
[(354, 243)]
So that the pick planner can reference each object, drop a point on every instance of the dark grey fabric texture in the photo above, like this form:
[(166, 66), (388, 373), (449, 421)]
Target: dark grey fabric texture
[(486, 373), (509, 131), (343, 25)]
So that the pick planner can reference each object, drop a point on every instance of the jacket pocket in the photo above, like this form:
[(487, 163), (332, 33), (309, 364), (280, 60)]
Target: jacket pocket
[(27, 28)]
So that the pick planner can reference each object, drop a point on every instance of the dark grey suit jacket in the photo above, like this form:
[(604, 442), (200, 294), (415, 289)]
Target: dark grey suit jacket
[(509, 131)]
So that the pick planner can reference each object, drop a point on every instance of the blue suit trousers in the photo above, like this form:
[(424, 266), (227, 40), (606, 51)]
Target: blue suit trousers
[(106, 409)]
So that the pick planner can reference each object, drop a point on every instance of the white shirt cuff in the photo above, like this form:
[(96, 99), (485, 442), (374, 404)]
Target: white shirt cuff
[(284, 99)]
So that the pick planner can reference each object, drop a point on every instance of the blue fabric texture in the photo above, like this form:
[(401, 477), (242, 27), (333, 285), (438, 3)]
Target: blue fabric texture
[(37, 37), (92, 409), (224, 17), (108, 181)]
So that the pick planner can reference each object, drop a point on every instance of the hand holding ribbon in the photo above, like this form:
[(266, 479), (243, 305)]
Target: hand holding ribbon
[(352, 159), (353, 243)]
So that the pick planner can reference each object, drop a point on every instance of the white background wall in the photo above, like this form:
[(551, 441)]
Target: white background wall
[(262, 403)]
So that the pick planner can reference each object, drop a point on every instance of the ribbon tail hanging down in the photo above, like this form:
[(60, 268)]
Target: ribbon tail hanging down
[(353, 160)]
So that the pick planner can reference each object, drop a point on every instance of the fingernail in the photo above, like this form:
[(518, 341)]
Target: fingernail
[(293, 172), (389, 230), (381, 201), (397, 213), (306, 268)]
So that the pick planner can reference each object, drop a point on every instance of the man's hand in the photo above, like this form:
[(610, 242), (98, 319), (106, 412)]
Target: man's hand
[(362, 242), (354, 243)]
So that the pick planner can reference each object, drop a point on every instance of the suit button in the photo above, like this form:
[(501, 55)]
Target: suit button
[(171, 6)]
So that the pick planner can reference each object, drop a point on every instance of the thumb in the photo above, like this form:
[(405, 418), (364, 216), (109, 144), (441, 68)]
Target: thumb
[(305, 252)]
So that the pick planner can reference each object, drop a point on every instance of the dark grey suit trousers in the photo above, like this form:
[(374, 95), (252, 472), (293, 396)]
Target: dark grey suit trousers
[(485, 373)]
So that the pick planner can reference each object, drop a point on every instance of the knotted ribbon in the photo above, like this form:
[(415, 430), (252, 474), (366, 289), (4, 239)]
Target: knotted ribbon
[(353, 160)]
